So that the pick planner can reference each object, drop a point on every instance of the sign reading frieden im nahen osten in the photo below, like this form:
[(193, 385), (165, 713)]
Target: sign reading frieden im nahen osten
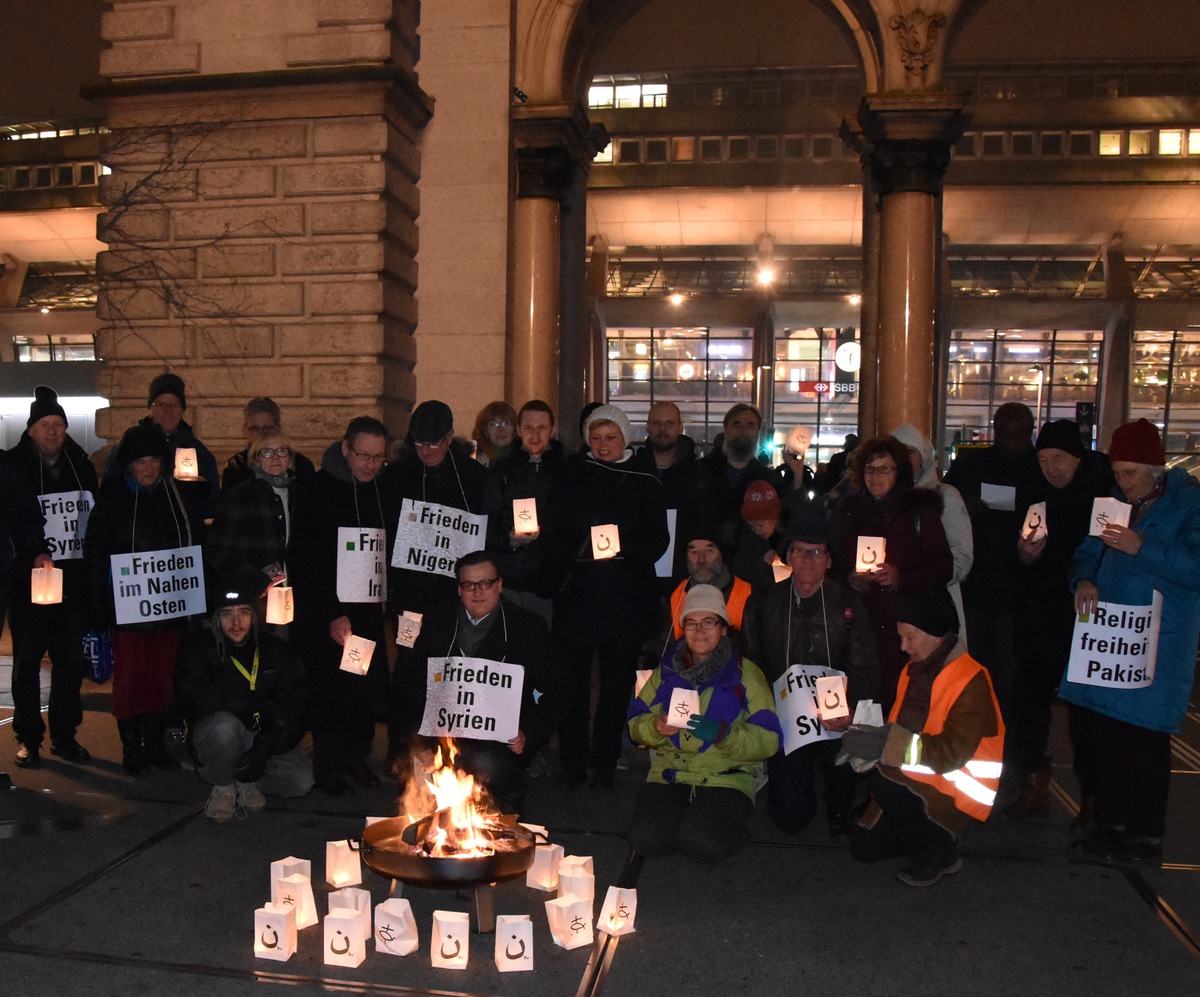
[(157, 584), (474, 698)]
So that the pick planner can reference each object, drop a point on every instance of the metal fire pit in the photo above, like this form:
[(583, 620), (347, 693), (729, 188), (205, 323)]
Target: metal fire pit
[(387, 850)]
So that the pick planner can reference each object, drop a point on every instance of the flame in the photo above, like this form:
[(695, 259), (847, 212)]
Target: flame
[(462, 824)]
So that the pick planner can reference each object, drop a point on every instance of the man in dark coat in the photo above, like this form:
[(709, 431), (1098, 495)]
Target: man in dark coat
[(345, 524), (729, 470), (526, 559), (480, 624), (242, 692), (65, 482), (809, 619)]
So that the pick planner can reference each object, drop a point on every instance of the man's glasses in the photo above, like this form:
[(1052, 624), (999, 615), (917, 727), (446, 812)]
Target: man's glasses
[(482, 585), (809, 552), (704, 625), (367, 458)]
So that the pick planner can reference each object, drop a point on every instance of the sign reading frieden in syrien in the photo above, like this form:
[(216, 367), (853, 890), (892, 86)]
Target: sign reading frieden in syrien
[(474, 698)]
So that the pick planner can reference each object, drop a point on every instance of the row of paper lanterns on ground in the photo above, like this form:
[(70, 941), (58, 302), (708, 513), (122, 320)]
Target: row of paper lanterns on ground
[(348, 922)]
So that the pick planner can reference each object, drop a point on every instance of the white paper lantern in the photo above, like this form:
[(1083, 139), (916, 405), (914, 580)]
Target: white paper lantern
[(342, 864), (395, 927), (618, 912), (356, 655), (514, 943), (275, 932), (186, 466), (345, 942), (451, 941), (280, 608), (45, 586)]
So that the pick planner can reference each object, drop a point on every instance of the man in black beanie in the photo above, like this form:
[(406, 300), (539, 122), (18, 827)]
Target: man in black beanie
[(1072, 477), (65, 483), (166, 403), (935, 765)]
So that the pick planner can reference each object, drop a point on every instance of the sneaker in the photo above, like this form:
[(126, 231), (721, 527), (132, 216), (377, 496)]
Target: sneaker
[(928, 875), (249, 797), (1132, 852), (221, 803)]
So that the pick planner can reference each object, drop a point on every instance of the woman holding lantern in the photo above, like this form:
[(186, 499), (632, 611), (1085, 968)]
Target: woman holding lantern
[(710, 716), (914, 555), (143, 513), (254, 520)]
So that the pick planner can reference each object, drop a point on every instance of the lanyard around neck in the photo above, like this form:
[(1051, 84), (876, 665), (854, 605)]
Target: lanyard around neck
[(250, 676)]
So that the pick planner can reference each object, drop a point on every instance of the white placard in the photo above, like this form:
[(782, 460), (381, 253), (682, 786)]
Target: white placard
[(797, 707), (1034, 527), (1108, 512), (432, 537), (66, 522), (525, 521), (831, 697), (357, 653), (1000, 497), (870, 553), (158, 584), (684, 702), (473, 698), (665, 565), (606, 541), (1116, 647), (514, 943), (361, 564)]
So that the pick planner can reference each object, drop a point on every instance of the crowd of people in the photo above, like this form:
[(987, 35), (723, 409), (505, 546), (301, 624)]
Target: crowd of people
[(655, 599)]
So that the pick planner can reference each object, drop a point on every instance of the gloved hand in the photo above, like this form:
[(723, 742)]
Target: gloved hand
[(253, 763), (707, 729), (866, 743)]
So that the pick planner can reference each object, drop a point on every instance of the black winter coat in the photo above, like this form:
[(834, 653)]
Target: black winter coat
[(531, 567)]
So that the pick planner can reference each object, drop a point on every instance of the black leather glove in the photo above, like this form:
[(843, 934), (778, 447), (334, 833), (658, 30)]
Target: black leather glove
[(867, 743)]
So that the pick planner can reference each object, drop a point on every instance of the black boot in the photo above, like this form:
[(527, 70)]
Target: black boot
[(133, 756), (153, 740)]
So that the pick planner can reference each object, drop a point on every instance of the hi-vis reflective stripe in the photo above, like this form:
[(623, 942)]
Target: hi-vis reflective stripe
[(964, 778)]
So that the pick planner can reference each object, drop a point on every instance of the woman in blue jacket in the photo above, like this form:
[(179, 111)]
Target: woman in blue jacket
[(1159, 551)]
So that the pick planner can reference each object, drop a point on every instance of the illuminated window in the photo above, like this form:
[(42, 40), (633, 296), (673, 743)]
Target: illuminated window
[(629, 95), (1194, 142), (605, 155), (38, 349), (1170, 142), (654, 95), (1110, 143), (600, 96), (684, 150), (1139, 143)]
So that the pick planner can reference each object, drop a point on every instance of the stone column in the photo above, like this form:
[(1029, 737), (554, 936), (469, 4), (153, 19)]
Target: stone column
[(554, 148), (909, 150), (261, 213)]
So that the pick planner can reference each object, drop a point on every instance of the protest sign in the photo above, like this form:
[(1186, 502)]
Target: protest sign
[(361, 571), (157, 584), (1115, 647), (432, 537), (66, 522), (797, 707), (473, 697)]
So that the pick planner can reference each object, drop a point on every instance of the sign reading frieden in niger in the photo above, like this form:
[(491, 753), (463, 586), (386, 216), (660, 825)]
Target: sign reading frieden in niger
[(473, 697), (432, 537), (157, 584)]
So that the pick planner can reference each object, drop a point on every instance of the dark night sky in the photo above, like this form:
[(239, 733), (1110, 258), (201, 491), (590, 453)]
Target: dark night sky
[(48, 48)]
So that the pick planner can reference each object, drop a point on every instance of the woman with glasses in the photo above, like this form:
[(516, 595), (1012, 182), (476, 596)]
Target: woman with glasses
[(254, 520), (495, 432), (709, 715), (916, 556)]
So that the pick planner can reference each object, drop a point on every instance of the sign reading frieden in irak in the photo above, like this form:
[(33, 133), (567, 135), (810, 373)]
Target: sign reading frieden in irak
[(432, 537), (473, 697), (157, 584)]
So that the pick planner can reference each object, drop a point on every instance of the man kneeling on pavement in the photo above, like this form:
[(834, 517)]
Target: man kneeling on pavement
[(243, 694), (936, 762), (480, 624)]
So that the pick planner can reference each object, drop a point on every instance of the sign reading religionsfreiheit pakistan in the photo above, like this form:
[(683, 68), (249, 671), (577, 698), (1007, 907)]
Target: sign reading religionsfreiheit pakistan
[(157, 584), (1115, 647), (473, 697), (432, 537)]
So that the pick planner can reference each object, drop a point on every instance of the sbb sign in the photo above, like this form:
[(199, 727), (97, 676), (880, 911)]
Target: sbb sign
[(827, 387)]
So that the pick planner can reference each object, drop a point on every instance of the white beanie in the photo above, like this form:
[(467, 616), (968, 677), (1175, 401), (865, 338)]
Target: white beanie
[(704, 599), (612, 414)]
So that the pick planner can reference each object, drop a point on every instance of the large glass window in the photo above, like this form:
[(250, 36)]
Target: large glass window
[(1166, 385), (702, 370), (816, 385)]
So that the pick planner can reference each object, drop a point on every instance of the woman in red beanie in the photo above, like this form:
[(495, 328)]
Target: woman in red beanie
[(1158, 553)]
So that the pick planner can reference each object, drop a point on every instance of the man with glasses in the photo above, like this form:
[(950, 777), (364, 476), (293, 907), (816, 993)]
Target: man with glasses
[(345, 523), (434, 468), (261, 416), (242, 691), (166, 404), (482, 624), (809, 619)]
